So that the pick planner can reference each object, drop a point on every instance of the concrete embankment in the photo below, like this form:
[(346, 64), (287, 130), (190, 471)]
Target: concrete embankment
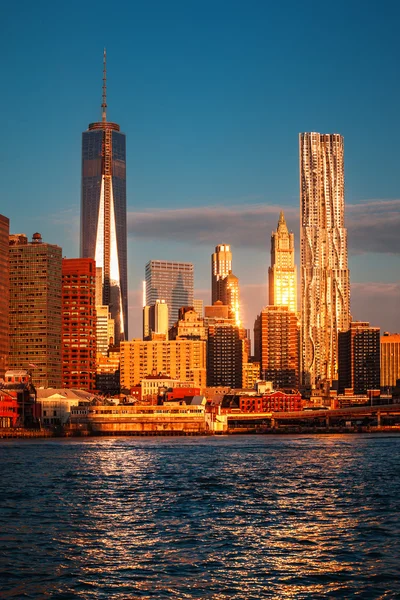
[(19, 432)]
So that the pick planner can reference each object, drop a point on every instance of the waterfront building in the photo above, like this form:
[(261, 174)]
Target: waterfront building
[(4, 294), (390, 359), (221, 266), (79, 343), (35, 308), (198, 306), (282, 273), (276, 346), (325, 281), (8, 410), (183, 360), (359, 358), (171, 281), (276, 401), (103, 212), (156, 386)]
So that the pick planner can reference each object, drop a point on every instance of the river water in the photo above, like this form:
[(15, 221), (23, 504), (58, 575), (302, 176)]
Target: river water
[(224, 517)]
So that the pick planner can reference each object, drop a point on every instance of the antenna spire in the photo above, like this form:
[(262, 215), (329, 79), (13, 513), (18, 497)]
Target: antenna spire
[(104, 103)]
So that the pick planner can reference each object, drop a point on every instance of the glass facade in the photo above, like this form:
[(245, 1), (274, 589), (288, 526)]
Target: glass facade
[(172, 282), (103, 215)]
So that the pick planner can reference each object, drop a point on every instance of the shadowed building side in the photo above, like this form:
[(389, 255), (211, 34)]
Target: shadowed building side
[(4, 294)]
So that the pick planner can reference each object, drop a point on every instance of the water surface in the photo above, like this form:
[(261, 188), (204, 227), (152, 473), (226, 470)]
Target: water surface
[(228, 517)]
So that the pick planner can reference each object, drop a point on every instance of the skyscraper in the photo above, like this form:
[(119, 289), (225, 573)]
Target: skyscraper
[(276, 346), (4, 294), (230, 296), (172, 282), (325, 285), (359, 358), (282, 272), (79, 323), (103, 211), (35, 309), (221, 266), (390, 359)]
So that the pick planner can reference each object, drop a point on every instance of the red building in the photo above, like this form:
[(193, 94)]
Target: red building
[(180, 393), (79, 323), (8, 410), (279, 401)]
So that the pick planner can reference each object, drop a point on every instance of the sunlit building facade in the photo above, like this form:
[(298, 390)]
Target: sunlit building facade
[(221, 266), (103, 212), (390, 359), (79, 344), (325, 280), (282, 275), (172, 282), (4, 294), (276, 346), (184, 360), (230, 296), (35, 309)]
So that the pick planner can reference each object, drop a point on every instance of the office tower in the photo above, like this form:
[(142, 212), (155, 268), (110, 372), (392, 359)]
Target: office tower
[(224, 354), (4, 294), (229, 287), (35, 309), (282, 274), (108, 372), (79, 343), (171, 281), (227, 347), (276, 346), (359, 358), (221, 266), (104, 329), (158, 319), (325, 285), (103, 212), (184, 360), (390, 359), (198, 306)]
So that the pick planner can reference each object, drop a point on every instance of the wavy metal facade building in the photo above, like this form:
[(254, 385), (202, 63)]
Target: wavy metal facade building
[(325, 280)]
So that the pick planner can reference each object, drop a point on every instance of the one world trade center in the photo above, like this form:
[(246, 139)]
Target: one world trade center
[(103, 211)]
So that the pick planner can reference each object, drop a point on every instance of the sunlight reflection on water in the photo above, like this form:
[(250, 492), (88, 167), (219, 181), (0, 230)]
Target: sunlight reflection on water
[(231, 517)]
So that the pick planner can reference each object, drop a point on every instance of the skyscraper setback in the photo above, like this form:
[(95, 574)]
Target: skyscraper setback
[(103, 211), (221, 266), (325, 285), (282, 274)]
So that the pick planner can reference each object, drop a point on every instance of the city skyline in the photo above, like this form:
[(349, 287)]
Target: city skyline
[(209, 158)]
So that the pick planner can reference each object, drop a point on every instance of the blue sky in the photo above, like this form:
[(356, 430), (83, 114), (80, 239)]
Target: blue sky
[(212, 96)]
